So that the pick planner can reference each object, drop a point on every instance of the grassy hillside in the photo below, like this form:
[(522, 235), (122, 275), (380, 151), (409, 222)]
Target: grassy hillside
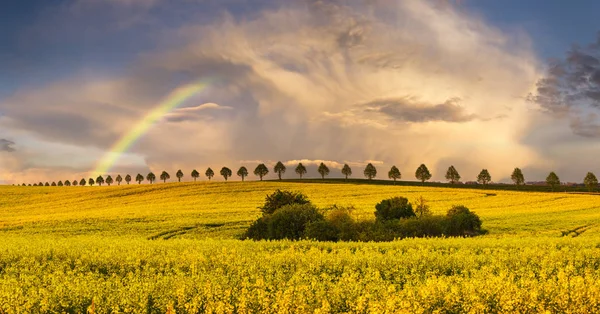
[(225, 209)]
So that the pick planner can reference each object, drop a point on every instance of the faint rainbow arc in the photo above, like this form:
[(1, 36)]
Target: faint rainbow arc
[(172, 101)]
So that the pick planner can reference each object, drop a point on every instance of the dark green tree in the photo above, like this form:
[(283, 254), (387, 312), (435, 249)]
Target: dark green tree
[(300, 170), (109, 180), (195, 174), (452, 175), (394, 174), (119, 179), (75, 182), (517, 177), (91, 182), (209, 173), (165, 176), (40, 184), (82, 182), (139, 178), (370, 171), (484, 177), (422, 173), (590, 181), (47, 184), (279, 169), (225, 172), (552, 180), (179, 175), (67, 183), (128, 179), (323, 170), (346, 171), (150, 177), (58, 184), (99, 180), (261, 171), (242, 172)]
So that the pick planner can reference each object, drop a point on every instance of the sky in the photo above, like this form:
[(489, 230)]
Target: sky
[(470, 83)]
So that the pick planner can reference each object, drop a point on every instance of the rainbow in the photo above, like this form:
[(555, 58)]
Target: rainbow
[(172, 101)]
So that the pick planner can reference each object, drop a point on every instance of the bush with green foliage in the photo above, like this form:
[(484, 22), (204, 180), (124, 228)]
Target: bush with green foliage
[(462, 222), (281, 198), (393, 208)]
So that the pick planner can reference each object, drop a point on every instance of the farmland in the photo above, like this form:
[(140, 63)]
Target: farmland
[(173, 247)]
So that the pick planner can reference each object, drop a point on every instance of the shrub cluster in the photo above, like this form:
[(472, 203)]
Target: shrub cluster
[(291, 215)]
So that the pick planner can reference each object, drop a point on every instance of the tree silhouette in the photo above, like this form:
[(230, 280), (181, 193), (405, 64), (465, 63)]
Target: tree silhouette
[(422, 173), (91, 182), (370, 171), (552, 180), (35, 184), (300, 170), (261, 171), (517, 177), (53, 183), (279, 169), (323, 170), (195, 174), (127, 179), (150, 177), (242, 172), (58, 184), (67, 183), (179, 175), (75, 182), (100, 180), (346, 171), (165, 176), (40, 184), (209, 173), (590, 181), (47, 184), (119, 179), (394, 174), (484, 177), (82, 182), (139, 178), (225, 172), (452, 175), (109, 180)]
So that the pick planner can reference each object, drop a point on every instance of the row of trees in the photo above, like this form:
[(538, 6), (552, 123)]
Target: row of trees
[(422, 174)]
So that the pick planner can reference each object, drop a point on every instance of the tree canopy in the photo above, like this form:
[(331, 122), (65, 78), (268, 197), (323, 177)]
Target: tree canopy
[(452, 175), (590, 181), (139, 178), (552, 180), (517, 177), (242, 172), (150, 177), (484, 177), (422, 173), (165, 176), (99, 180), (209, 173), (370, 171), (323, 170), (195, 174), (109, 180), (394, 174), (279, 169), (346, 171), (128, 178), (179, 175), (261, 170), (300, 170), (225, 172), (119, 179)]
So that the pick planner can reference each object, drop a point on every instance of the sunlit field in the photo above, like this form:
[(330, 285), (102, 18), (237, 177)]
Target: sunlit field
[(174, 247)]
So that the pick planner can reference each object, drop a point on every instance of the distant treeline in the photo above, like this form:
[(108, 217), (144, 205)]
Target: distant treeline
[(484, 179)]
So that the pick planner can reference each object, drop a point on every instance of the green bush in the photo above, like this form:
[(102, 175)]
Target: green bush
[(281, 198), (258, 230), (462, 222), (322, 230), (393, 208), (337, 226), (290, 221)]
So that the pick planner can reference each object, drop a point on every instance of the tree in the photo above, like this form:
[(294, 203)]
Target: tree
[(128, 179), (394, 174), (100, 180), (484, 177), (346, 171), (552, 180), (393, 208), (323, 170), (139, 178), (421, 207), (91, 182), (300, 170), (59, 183), (150, 177), (209, 173), (195, 174), (165, 176), (109, 180), (517, 177), (35, 184), (279, 169), (225, 172), (67, 183), (242, 172), (590, 181), (261, 171), (75, 182), (47, 184), (179, 175), (452, 175), (40, 184), (119, 179), (370, 171), (423, 173), (82, 182)]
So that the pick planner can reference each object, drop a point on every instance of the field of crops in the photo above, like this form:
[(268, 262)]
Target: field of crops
[(172, 248)]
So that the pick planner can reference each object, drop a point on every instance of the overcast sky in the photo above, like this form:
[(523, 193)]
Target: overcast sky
[(465, 83)]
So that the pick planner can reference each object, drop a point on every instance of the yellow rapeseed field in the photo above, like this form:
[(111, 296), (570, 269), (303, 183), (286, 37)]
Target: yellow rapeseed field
[(172, 248)]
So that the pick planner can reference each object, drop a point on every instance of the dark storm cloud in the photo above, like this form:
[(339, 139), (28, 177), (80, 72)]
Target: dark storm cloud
[(6, 145), (403, 109)]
